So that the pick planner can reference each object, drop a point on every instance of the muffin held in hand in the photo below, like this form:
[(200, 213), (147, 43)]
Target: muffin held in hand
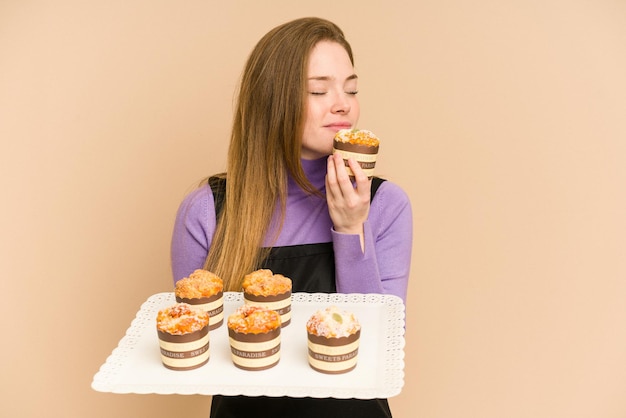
[(362, 145), (333, 340), (254, 335), (268, 290), (204, 290), (183, 333)]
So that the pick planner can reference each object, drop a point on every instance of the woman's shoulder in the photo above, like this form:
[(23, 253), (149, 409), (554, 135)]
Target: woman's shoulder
[(390, 205), (207, 197), (389, 191), (199, 199)]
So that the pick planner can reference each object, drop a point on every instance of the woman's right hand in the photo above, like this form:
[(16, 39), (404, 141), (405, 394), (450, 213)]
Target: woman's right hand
[(348, 203)]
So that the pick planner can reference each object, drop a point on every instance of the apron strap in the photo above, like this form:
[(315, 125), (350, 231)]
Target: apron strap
[(218, 186)]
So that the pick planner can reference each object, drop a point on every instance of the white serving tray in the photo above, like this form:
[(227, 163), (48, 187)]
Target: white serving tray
[(135, 365)]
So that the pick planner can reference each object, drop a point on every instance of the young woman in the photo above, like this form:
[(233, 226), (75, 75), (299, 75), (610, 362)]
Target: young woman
[(287, 204)]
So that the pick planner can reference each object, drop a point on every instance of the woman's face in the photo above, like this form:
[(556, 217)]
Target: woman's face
[(331, 102)]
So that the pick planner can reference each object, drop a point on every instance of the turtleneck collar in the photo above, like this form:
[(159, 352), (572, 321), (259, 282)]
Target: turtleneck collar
[(315, 171)]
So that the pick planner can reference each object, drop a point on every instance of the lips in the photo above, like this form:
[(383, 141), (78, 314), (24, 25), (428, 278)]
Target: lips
[(339, 125)]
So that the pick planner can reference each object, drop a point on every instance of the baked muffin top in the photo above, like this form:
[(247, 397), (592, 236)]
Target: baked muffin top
[(265, 283), (200, 284), (357, 136), (181, 318), (249, 319), (332, 322)]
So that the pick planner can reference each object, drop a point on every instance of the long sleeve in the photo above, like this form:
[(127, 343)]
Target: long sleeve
[(384, 265), (193, 231)]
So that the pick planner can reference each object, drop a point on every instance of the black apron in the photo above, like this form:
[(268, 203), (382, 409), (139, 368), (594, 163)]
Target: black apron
[(312, 269)]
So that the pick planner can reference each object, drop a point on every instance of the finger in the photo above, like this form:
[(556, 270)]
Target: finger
[(331, 172), (332, 186), (363, 184), (340, 166), (341, 177)]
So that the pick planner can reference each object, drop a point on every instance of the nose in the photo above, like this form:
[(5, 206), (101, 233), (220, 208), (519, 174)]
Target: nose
[(341, 104)]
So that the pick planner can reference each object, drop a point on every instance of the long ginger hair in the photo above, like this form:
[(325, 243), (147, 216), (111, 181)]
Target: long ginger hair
[(265, 145)]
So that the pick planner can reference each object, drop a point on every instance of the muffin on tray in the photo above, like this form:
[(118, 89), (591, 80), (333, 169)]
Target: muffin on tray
[(268, 290), (204, 290), (183, 336), (254, 335), (333, 340), (362, 145)]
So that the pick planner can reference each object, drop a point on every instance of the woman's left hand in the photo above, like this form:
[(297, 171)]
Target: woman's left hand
[(348, 204)]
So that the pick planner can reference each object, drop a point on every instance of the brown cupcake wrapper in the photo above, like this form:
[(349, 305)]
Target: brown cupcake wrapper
[(185, 368), (214, 312), (216, 325), (334, 341), (255, 354), (200, 301), (256, 369), (185, 354), (254, 338), (365, 165), (183, 338), (366, 161), (282, 311), (270, 298), (252, 352), (333, 358), (357, 148), (333, 355), (333, 371)]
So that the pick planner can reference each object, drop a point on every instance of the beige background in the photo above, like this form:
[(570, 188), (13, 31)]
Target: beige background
[(503, 120)]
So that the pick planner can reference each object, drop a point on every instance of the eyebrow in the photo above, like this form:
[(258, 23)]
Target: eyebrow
[(326, 78)]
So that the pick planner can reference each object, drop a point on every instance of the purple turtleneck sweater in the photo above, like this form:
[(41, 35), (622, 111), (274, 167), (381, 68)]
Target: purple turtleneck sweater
[(383, 267)]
